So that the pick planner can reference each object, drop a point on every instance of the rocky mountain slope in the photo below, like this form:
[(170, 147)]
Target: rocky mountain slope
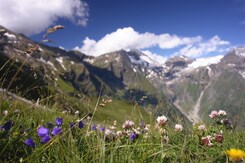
[(72, 80), (197, 91)]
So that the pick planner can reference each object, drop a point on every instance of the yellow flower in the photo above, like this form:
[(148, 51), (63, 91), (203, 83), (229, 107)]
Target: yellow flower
[(236, 154)]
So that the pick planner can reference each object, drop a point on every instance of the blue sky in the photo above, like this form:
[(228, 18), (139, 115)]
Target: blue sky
[(196, 28)]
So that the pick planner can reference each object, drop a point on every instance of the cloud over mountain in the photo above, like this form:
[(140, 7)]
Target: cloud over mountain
[(34, 16), (127, 38), (197, 50)]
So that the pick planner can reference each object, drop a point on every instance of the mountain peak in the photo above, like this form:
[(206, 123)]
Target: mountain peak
[(240, 51), (179, 61)]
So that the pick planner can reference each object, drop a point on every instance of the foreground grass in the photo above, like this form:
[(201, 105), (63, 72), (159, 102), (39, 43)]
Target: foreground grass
[(107, 141)]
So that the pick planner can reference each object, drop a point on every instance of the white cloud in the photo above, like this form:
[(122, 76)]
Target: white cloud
[(156, 57), (34, 16), (205, 61), (128, 38), (197, 50)]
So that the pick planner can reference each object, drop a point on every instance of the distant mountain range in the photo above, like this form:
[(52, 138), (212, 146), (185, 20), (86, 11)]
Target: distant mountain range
[(182, 88)]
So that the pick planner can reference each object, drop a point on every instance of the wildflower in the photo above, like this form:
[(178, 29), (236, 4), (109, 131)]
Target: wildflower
[(108, 133), (88, 118), (112, 127), (56, 131), (162, 120), (59, 121), (178, 127), (102, 129), (142, 124), (119, 133), (227, 123), (72, 125), (128, 124), (202, 128), (5, 112), (165, 139), (133, 136), (80, 124), (29, 142), (147, 127), (42, 131), (206, 140), (94, 127), (45, 139), (7, 126), (145, 130), (213, 114), (219, 138), (115, 123), (77, 112), (64, 111), (222, 112), (236, 154)]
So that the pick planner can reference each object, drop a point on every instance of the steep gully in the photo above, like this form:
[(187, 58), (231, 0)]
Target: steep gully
[(193, 115)]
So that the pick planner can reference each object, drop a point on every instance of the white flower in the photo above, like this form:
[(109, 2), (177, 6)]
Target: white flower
[(112, 127), (108, 132), (119, 133), (178, 127), (77, 112), (5, 112), (137, 131), (128, 124), (202, 128), (64, 111), (162, 120), (88, 118), (213, 114), (222, 112)]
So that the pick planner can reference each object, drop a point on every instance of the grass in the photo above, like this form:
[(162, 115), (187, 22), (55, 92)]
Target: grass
[(87, 145)]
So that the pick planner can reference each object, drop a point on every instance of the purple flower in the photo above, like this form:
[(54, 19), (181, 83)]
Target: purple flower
[(72, 125), (80, 124), (102, 129), (56, 131), (45, 139), (142, 124), (94, 127), (133, 136), (59, 121), (7, 126), (42, 131), (29, 142)]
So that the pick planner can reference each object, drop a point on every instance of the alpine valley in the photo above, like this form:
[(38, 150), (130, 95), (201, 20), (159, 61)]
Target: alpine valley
[(122, 83)]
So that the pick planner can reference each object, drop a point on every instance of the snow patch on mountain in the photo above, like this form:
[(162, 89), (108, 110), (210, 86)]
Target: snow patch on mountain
[(10, 36), (60, 60), (89, 60), (137, 62), (47, 62)]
